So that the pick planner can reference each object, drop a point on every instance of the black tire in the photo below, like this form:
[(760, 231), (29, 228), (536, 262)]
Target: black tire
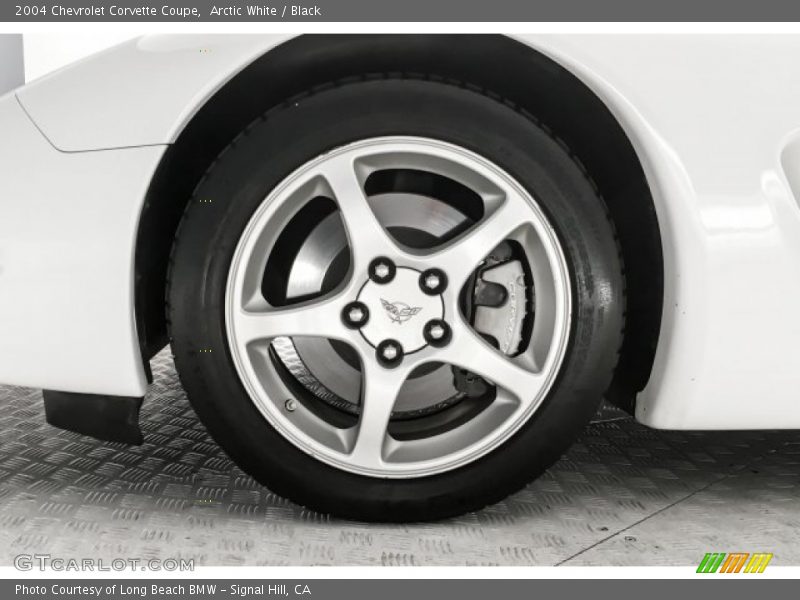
[(290, 135)]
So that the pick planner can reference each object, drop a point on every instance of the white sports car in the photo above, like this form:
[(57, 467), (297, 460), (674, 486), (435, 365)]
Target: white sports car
[(399, 273)]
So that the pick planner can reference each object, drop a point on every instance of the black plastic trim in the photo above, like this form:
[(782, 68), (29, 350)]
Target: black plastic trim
[(109, 418)]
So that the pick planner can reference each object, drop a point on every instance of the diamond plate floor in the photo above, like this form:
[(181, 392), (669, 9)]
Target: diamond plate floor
[(623, 495)]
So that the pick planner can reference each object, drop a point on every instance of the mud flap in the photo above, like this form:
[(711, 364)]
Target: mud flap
[(110, 418)]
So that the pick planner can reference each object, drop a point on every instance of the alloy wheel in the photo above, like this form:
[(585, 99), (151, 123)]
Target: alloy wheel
[(411, 336)]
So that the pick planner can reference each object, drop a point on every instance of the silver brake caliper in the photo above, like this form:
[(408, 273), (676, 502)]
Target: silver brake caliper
[(503, 322), (499, 304)]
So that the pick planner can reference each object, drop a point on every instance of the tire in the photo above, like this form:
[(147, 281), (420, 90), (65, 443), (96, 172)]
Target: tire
[(287, 137)]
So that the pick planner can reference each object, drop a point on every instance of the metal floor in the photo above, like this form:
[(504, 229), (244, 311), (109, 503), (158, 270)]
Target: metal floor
[(624, 495)]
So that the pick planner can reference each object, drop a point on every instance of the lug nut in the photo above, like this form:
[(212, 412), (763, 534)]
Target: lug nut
[(433, 281), (381, 270), (355, 315), (437, 333), (389, 353)]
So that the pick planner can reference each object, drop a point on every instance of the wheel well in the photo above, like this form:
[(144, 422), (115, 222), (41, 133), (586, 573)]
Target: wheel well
[(496, 64)]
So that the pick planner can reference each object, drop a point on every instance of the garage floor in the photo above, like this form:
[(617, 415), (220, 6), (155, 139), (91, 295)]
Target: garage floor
[(624, 495)]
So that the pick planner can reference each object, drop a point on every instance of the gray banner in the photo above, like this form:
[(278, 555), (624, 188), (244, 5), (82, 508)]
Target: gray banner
[(396, 10), (73, 589)]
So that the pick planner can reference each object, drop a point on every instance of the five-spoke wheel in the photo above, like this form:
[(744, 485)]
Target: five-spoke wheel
[(383, 305)]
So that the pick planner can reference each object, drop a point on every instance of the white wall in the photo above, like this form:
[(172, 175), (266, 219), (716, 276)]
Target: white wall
[(11, 70), (46, 52)]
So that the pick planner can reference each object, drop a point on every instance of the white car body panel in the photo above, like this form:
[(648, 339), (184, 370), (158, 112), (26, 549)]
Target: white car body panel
[(139, 93), (714, 120), (711, 118), (66, 292)]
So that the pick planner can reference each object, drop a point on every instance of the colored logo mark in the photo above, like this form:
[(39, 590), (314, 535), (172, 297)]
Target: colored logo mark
[(734, 562)]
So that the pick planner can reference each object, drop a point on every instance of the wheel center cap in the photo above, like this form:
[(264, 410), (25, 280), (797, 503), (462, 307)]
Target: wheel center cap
[(399, 310)]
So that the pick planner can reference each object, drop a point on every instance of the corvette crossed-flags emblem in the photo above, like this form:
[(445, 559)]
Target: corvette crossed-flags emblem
[(399, 312)]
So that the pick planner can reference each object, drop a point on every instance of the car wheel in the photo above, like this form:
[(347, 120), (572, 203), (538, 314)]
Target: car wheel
[(395, 299)]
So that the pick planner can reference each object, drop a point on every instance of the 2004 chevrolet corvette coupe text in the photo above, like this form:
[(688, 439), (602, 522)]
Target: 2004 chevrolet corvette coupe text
[(399, 273)]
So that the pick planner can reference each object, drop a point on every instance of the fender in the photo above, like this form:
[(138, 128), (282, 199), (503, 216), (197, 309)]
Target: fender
[(139, 93), (67, 305), (712, 147)]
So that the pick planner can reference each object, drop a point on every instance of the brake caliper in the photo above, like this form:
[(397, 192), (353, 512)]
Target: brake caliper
[(497, 308)]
